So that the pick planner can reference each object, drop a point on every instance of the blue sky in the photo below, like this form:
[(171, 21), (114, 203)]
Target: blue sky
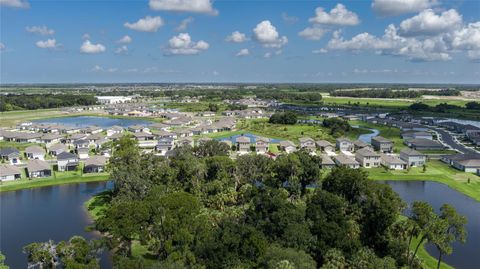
[(421, 41)]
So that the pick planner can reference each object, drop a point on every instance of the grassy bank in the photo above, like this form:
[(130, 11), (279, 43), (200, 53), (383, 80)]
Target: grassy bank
[(428, 261), (51, 181), (437, 172)]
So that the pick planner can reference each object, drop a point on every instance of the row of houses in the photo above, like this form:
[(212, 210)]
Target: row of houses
[(342, 144)]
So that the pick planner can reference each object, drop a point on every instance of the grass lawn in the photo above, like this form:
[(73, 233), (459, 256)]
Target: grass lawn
[(380, 102), (11, 118), (17, 145), (60, 178), (436, 171), (388, 132)]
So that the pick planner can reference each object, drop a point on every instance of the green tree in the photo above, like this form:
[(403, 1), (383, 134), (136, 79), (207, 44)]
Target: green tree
[(2, 262), (212, 148), (278, 257)]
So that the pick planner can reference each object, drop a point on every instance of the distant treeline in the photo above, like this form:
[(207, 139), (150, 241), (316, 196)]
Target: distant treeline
[(443, 107), (392, 93), (38, 101)]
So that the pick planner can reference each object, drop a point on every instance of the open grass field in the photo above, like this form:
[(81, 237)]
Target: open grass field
[(11, 118), (388, 132), (60, 178), (381, 102), (436, 171)]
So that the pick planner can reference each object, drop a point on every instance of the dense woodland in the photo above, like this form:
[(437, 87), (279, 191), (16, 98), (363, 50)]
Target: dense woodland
[(444, 107), (392, 93), (38, 101), (201, 209), (283, 118)]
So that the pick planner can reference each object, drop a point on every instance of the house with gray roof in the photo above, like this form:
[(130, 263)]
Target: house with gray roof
[(67, 161), (412, 157), (382, 144), (95, 164), (261, 145), (415, 134), (307, 143), (344, 160), (185, 141), (38, 168), (344, 144), (326, 162), (424, 144), (367, 158), (35, 152), (359, 144), (393, 162), (12, 155), (465, 162), (243, 143), (287, 146), (164, 145), (9, 172), (56, 149), (324, 146)]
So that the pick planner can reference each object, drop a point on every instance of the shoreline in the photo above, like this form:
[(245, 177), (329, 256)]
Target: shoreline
[(47, 182)]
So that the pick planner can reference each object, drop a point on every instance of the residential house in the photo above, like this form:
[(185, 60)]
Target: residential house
[(261, 145), (95, 164), (9, 172), (114, 130), (367, 158), (243, 144), (138, 129), (51, 138), (145, 140), (326, 162), (307, 143), (344, 160), (35, 152), (412, 157), (325, 146), (56, 149), (359, 144), (185, 141), (67, 161), (287, 146), (344, 144), (424, 144), (164, 145), (382, 144), (38, 168), (393, 162), (82, 153), (414, 135), (82, 143), (12, 155), (465, 162), (92, 130)]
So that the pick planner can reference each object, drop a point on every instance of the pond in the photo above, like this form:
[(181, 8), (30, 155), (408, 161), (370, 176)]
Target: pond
[(464, 256), (85, 121), (41, 214), (253, 138), (367, 138)]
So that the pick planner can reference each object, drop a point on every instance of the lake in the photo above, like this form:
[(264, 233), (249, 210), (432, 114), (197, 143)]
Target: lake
[(464, 256), (367, 138), (253, 138), (41, 214), (85, 121)]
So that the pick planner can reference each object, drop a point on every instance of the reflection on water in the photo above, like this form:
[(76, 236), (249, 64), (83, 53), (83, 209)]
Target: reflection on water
[(465, 256), (85, 121), (41, 214)]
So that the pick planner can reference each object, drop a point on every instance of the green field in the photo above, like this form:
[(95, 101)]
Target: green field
[(388, 132), (380, 102), (436, 171)]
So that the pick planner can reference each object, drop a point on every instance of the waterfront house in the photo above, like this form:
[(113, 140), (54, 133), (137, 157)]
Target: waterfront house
[(344, 160), (287, 146), (35, 152), (424, 144), (382, 144), (67, 161), (138, 129), (344, 144), (95, 164), (92, 130), (243, 144), (56, 149), (412, 157), (12, 155), (261, 145), (393, 162), (307, 143), (326, 162), (38, 168), (367, 158), (325, 146), (9, 172)]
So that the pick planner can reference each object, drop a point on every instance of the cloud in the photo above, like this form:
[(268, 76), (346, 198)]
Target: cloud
[(339, 15), (266, 34), (125, 40), (313, 33), (243, 52), (468, 38), (195, 6), (47, 44), (14, 3), (184, 24), (2, 46), (398, 7), (98, 68), (429, 23), (182, 44), (289, 19), (121, 50), (85, 36), (320, 51), (147, 24), (90, 48), (41, 30), (236, 37)]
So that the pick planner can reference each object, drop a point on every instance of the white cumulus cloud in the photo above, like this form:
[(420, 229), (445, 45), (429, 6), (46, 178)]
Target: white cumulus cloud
[(125, 40), (2, 46), (15, 3), (320, 51), (313, 33), (121, 50), (90, 48), (243, 52), (339, 15), (268, 36), (429, 23), (398, 7), (195, 6), (147, 24), (184, 24), (41, 30), (182, 44), (236, 37), (47, 44)]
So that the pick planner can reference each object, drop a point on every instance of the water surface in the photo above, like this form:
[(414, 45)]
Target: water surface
[(85, 121)]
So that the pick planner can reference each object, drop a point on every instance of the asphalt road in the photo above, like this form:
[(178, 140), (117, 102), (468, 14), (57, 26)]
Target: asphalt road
[(448, 139)]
